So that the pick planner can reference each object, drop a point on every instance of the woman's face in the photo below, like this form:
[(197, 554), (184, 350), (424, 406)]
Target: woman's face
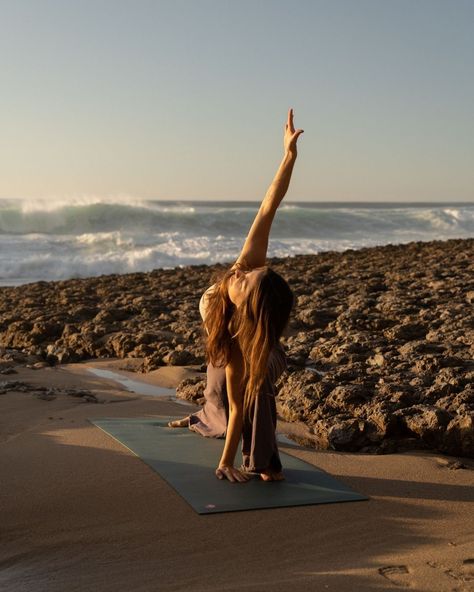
[(241, 283)]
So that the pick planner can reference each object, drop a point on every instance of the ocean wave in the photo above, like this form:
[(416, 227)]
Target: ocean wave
[(51, 204), (91, 216), (60, 258), (92, 236), (115, 238)]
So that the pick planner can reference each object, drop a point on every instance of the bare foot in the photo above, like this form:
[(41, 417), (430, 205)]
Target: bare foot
[(179, 423), (270, 475)]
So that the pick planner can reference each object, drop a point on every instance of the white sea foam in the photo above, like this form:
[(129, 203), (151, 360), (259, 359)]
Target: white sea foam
[(89, 236), (53, 203), (115, 238)]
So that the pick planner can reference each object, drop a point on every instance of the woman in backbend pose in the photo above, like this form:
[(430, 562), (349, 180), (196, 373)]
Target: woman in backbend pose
[(244, 314)]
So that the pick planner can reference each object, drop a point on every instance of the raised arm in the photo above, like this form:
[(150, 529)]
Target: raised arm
[(254, 251)]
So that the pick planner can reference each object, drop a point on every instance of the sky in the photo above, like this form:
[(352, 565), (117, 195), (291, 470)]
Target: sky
[(187, 99)]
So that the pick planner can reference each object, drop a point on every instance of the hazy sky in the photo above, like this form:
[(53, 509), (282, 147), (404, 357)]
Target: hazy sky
[(186, 99)]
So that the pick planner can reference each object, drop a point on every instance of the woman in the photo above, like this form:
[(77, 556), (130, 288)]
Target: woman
[(244, 313)]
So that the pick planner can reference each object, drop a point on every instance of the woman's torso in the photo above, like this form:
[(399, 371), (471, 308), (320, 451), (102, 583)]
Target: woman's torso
[(276, 360)]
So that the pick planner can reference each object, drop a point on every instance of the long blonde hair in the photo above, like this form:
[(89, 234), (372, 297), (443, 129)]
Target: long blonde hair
[(256, 325)]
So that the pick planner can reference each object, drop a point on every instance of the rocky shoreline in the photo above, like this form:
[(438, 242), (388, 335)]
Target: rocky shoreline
[(380, 343)]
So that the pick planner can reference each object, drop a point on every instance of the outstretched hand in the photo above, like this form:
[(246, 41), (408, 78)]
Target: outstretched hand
[(291, 135)]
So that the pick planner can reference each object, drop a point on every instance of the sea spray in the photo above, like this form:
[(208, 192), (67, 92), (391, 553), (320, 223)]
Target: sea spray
[(79, 237)]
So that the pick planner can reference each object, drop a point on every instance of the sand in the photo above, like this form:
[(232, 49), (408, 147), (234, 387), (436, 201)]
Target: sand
[(81, 512)]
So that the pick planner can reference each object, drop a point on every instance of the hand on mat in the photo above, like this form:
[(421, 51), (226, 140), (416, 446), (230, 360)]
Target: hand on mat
[(231, 473)]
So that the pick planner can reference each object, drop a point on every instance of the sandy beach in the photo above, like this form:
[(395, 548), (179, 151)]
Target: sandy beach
[(81, 512)]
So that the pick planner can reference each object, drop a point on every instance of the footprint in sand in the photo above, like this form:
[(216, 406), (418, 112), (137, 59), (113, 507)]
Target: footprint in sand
[(401, 576), (467, 568), (397, 574), (462, 573)]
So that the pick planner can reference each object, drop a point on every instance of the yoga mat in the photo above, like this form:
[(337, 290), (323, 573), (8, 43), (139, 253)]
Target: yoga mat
[(187, 461)]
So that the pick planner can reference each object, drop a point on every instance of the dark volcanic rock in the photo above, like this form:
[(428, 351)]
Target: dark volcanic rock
[(179, 358), (341, 432), (301, 395), (47, 394), (459, 436), (192, 389), (346, 397), (380, 344), (428, 423)]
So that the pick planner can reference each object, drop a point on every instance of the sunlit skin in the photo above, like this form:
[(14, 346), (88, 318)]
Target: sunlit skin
[(247, 272)]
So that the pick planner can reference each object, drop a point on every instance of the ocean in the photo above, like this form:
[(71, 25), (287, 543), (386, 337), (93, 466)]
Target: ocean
[(82, 237)]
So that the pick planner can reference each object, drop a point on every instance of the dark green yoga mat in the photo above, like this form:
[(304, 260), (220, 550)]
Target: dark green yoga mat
[(187, 461)]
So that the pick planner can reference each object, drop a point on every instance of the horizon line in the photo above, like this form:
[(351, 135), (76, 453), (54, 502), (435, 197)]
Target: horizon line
[(123, 197)]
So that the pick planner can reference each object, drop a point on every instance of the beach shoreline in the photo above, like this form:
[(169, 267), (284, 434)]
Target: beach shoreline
[(63, 238), (380, 344)]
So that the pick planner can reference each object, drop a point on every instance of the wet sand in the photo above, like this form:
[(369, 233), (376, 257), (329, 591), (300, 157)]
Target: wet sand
[(81, 512)]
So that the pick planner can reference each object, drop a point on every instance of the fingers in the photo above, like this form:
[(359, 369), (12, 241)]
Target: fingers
[(290, 121), (225, 473)]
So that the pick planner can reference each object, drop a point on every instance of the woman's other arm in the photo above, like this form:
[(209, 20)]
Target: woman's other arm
[(254, 251), (234, 371)]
